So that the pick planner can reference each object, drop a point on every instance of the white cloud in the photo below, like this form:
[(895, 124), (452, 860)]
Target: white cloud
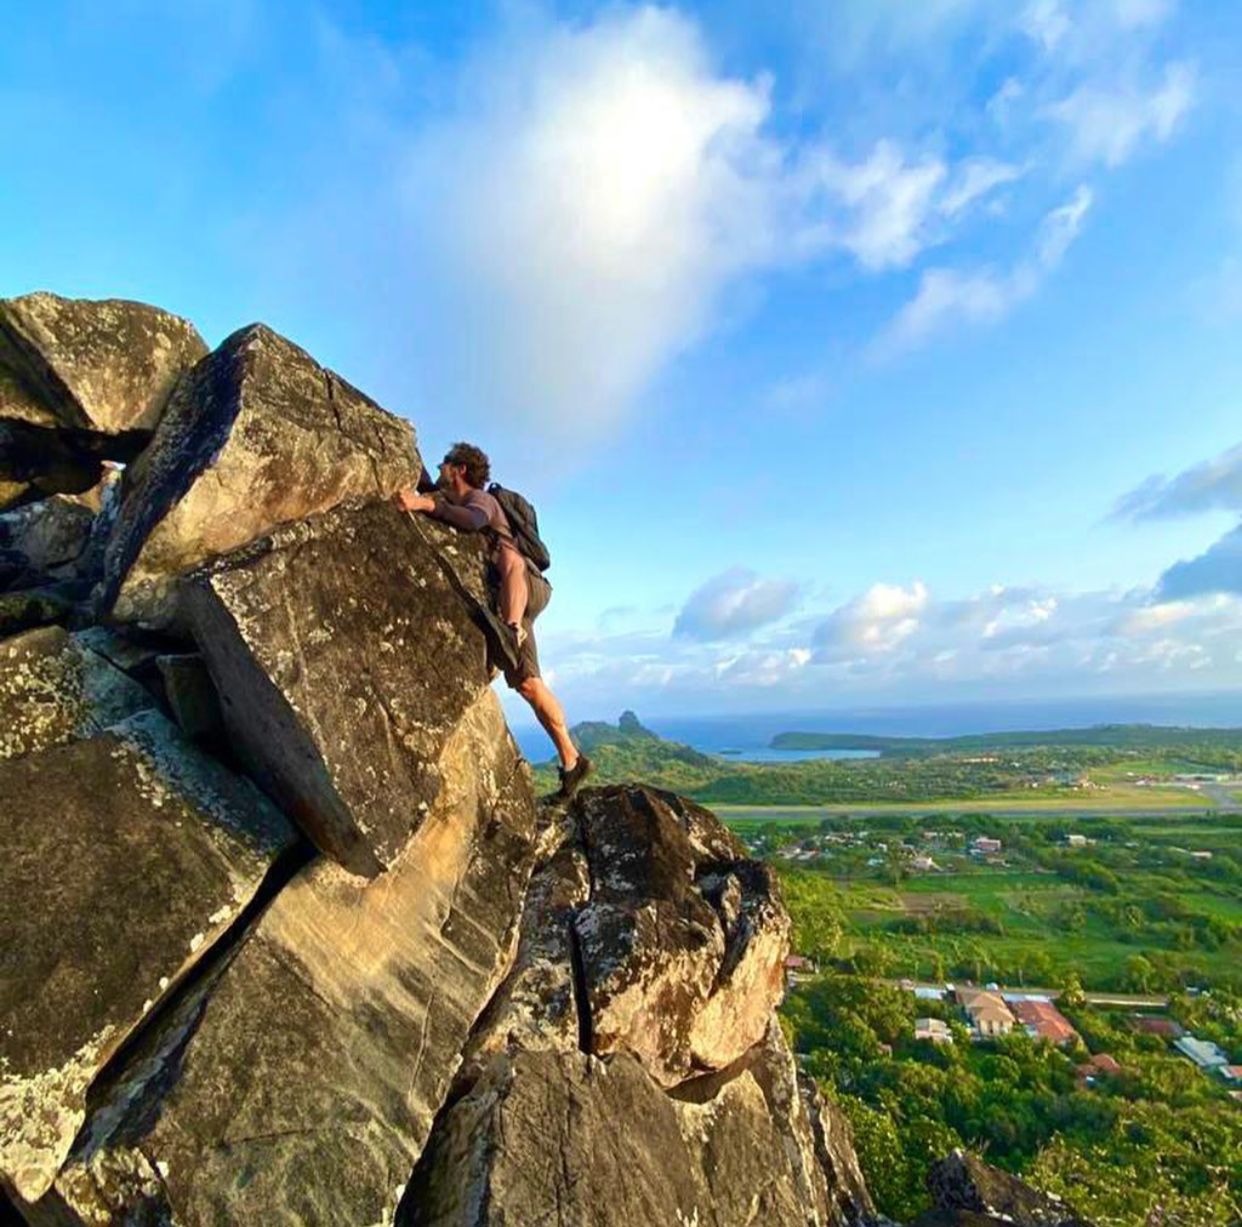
[(947, 297), (578, 212), (876, 621), (888, 204), (903, 643), (522, 241), (1132, 13), (1108, 123), (734, 603), (599, 188), (975, 178), (1217, 569), (1213, 485), (797, 394)]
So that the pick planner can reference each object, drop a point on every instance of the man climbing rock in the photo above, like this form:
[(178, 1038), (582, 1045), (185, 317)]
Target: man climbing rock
[(459, 498)]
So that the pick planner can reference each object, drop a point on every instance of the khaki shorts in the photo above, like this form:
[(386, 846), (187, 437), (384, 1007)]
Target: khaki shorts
[(539, 593)]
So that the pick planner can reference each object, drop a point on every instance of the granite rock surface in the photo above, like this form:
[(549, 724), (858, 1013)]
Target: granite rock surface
[(126, 856), (108, 366), (257, 435)]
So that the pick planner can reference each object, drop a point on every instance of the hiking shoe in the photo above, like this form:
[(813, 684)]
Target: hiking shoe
[(571, 780)]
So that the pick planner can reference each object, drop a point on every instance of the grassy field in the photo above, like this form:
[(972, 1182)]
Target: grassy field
[(1112, 799), (1036, 912)]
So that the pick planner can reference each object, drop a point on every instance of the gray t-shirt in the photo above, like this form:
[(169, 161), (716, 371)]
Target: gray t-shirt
[(477, 511)]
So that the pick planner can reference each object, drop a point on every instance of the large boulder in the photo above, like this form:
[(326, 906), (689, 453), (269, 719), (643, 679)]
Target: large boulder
[(561, 1116), (106, 366), (54, 689), (966, 1191), (345, 657), (50, 536), (257, 435), (683, 940), (126, 856), (300, 1084), (546, 1137)]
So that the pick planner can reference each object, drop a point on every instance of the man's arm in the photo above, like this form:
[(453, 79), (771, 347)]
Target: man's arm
[(467, 517)]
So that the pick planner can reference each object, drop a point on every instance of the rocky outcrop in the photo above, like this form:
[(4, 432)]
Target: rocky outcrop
[(344, 658), (550, 1137), (448, 1005), (257, 435), (967, 1192), (834, 1149), (541, 1130), (301, 1083), (126, 856), (683, 940), (545, 1138), (107, 366), (54, 689)]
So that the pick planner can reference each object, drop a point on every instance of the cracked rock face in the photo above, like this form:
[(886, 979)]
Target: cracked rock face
[(344, 659), (54, 689), (126, 856), (107, 366), (683, 939), (257, 435), (300, 1083), (536, 1008), (545, 1138)]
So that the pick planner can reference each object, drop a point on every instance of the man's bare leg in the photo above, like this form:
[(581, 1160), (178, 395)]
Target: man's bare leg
[(514, 592), (551, 715)]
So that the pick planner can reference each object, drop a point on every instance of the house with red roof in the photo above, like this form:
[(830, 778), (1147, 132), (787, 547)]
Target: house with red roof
[(1100, 1065), (1044, 1021)]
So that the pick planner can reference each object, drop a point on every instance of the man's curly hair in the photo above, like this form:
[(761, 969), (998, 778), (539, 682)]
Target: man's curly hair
[(478, 467)]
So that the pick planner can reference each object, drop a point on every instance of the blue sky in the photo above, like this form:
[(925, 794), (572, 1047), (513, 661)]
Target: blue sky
[(855, 353)]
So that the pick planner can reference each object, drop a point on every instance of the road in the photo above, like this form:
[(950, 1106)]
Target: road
[(1140, 1001), (1222, 797)]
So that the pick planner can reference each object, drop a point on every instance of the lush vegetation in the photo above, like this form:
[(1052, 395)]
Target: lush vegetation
[(1079, 767), (1161, 1133), (1132, 910), (1092, 901)]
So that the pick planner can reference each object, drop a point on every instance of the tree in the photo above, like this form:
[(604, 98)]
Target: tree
[(1138, 974), (1072, 995)]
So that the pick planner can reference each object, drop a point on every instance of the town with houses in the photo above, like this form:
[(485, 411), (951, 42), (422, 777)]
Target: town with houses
[(953, 847), (987, 1012)]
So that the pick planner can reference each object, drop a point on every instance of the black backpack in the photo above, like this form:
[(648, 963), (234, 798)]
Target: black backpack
[(525, 524)]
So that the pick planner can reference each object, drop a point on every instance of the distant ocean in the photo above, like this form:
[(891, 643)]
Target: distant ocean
[(750, 735)]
